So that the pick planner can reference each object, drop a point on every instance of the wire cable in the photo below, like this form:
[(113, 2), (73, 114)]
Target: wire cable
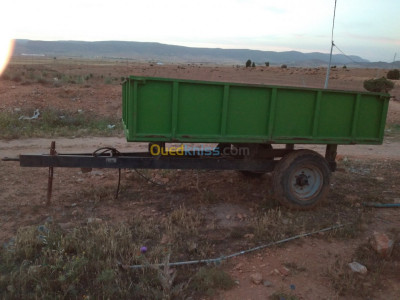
[(347, 56), (220, 259), (148, 179)]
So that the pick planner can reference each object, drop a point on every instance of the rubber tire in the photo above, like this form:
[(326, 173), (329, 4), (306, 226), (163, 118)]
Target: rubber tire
[(286, 168)]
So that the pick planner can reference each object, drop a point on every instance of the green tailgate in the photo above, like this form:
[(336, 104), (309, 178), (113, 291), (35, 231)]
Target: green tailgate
[(172, 110)]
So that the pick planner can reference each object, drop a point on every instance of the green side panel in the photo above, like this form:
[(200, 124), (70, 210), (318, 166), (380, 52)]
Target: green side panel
[(336, 115), (125, 110), (369, 117), (248, 111), (294, 114), (154, 108), (173, 110), (199, 109)]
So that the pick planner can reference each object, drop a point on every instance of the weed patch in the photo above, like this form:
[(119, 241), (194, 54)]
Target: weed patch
[(93, 262), (53, 123), (392, 131), (208, 280)]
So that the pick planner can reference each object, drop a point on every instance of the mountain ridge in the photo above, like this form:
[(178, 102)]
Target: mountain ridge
[(153, 51)]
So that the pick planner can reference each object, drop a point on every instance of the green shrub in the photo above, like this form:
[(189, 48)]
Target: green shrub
[(253, 65), (393, 74), (378, 85), (248, 63), (267, 63), (284, 66), (16, 78), (42, 81)]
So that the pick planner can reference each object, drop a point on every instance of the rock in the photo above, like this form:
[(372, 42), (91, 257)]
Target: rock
[(249, 236), (94, 220), (358, 268), (34, 269), (192, 246), (165, 239), (66, 226), (364, 226), (164, 180), (284, 271), (256, 278), (381, 243), (43, 229), (380, 179), (285, 221), (228, 217), (97, 173), (267, 283), (238, 266), (49, 219)]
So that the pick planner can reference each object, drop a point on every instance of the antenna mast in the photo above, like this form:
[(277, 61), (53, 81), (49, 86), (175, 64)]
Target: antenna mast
[(332, 44)]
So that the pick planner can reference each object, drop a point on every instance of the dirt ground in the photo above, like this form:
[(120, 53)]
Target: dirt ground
[(23, 190)]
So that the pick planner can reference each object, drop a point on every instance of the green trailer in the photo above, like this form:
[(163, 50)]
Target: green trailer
[(232, 126), (171, 110), (255, 117)]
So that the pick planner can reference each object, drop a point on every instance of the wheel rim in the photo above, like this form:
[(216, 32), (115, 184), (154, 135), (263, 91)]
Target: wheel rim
[(306, 182)]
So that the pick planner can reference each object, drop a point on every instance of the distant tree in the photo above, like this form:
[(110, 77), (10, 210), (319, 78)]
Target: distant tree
[(253, 65), (393, 74), (284, 66), (381, 85), (344, 67), (248, 63), (267, 63)]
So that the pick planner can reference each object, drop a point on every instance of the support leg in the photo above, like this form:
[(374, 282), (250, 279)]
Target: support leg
[(51, 171), (330, 155)]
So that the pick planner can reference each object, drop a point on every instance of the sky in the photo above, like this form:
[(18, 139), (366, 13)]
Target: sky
[(370, 29)]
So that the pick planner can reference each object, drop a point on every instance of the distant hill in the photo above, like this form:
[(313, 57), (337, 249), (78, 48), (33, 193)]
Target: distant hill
[(172, 54)]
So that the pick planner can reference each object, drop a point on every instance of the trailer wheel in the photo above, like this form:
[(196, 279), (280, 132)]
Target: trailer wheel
[(301, 179)]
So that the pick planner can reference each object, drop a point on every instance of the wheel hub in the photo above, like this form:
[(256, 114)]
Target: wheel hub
[(302, 180), (306, 182)]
